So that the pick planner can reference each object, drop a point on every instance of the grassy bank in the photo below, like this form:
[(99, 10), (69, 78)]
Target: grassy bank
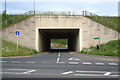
[(108, 49), (110, 22), (9, 49)]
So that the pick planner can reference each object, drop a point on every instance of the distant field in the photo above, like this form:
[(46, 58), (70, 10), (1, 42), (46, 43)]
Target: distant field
[(9, 49), (109, 49), (59, 43), (111, 22)]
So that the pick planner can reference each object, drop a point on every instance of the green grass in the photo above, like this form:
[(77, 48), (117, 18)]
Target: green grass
[(108, 49), (61, 41), (9, 49), (110, 22)]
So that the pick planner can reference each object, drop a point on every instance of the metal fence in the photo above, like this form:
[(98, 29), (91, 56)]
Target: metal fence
[(105, 20), (16, 18), (111, 22)]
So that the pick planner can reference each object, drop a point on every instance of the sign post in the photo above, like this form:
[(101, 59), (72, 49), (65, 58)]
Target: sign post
[(17, 33), (98, 45)]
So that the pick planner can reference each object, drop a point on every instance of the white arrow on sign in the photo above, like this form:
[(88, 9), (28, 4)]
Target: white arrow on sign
[(69, 72)]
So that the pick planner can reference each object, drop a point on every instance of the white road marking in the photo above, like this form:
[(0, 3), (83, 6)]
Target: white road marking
[(107, 73), (58, 59), (28, 72), (16, 62), (99, 63), (3, 61), (114, 64), (69, 72), (23, 71), (62, 62), (88, 74), (87, 63), (31, 62), (72, 58), (91, 71), (73, 62), (17, 69)]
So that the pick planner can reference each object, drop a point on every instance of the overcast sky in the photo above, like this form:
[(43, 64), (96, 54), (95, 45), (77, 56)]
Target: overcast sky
[(100, 7)]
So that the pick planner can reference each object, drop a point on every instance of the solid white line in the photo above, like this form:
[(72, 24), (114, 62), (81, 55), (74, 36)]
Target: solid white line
[(87, 63), (73, 62), (88, 75), (3, 61), (16, 62), (92, 71), (99, 63), (69, 72), (28, 72), (30, 62), (16, 69), (107, 73), (114, 64)]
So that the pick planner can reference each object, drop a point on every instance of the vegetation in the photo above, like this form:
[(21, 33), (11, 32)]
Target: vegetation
[(8, 20), (9, 49), (108, 49), (58, 43), (111, 22)]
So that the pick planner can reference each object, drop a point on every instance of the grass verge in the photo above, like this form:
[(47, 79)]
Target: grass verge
[(108, 49), (9, 49)]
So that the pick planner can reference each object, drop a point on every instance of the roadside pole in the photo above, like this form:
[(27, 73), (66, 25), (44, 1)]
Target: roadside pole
[(17, 43), (17, 33)]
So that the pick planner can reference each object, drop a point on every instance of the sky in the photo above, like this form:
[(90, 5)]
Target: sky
[(99, 7)]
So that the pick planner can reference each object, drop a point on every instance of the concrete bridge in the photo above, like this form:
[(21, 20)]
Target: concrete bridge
[(80, 31)]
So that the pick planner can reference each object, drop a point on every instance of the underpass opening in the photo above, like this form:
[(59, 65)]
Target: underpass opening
[(59, 45), (44, 37)]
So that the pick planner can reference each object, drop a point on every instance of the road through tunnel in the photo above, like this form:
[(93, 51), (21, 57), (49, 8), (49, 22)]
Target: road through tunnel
[(45, 36)]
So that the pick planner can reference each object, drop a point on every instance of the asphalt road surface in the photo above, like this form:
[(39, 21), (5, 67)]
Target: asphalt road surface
[(60, 65)]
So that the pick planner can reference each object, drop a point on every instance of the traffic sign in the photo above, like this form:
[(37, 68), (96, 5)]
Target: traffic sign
[(17, 33), (96, 38)]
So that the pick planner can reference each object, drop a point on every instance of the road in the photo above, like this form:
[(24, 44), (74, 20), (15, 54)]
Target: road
[(60, 65)]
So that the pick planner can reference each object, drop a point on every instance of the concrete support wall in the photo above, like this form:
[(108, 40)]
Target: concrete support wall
[(31, 37)]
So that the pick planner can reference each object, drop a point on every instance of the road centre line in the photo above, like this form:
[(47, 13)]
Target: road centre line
[(99, 63), (112, 63), (30, 62), (16, 62), (87, 63), (73, 62), (58, 59)]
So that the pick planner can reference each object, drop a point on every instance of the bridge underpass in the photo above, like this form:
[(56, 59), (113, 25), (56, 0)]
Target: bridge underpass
[(45, 36)]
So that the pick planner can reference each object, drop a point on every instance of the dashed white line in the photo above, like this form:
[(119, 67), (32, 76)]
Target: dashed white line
[(58, 59), (91, 71), (73, 62), (99, 63), (30, 62), (61, 62), (16, 62), (3, 61), (87, 63), (114, 64)]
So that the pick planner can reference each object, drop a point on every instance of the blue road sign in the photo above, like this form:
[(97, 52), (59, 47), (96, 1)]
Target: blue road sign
[(17, 33)]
